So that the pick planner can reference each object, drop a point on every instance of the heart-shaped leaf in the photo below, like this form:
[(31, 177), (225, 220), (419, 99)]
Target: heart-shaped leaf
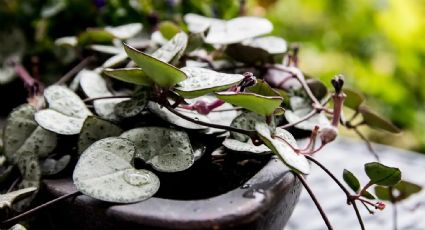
[(351, 180), (281, 147), (105, 108), (115, 60), (237, 30), (130, 75), (263, 105), (125, 31), (258, 50), (198, 23), (104, 172), (162, 73), (171, 51), (167, 150), (373, 120), (404, 189), (52, 166), (353, 99), (66, 112), (245, 147), (382, 175), (6, 200), (168, 29), (93, 84), (202, 81), (22, 133), (95, 129), (168, 116)]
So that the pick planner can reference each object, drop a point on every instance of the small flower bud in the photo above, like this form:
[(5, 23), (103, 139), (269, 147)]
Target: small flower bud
[(380, 205), (202, 107), (328, 134)]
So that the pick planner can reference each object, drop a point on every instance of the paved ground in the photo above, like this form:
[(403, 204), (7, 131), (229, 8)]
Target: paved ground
[(352, 154)]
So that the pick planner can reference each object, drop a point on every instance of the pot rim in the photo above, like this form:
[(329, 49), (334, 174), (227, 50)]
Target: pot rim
[(240, 205)]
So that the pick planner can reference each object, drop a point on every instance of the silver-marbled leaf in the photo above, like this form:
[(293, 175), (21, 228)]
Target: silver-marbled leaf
[(245, 147), (167, 150), (282, 148), (52, 166), (7, 199), (95, 129), (202, 81), (104, 171), (172, 50)]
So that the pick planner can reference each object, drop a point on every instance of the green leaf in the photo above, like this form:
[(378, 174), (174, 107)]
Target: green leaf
[(351, 180), (383, 193), (104, 172), (170, 117), (263, 105), (52, 166), (237, 30), (375, 121), (168, 29), (66, 112), (353, 99), (171, 51), (202, 81), (6, 200), (404, 189), (95, 129), (163, 74), (134, 106), (125, 31), (167, 150), (382, 175), (22, 134), (91, 36), (262, 88), (368, 195), (282, 149), (130, 75)]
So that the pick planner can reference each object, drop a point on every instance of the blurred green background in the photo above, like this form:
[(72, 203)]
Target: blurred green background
[(379, 45)]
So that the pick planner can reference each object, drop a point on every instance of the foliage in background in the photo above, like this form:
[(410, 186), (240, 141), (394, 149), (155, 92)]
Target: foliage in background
[(378, 45)]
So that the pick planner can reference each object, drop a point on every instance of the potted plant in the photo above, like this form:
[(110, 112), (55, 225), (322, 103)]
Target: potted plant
[(196, 130)]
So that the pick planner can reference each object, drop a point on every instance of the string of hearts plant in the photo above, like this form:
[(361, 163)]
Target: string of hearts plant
[(224, 80)]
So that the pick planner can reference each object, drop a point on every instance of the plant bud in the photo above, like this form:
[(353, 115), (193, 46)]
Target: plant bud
[(202, 107), (328, 134), (380, 205)]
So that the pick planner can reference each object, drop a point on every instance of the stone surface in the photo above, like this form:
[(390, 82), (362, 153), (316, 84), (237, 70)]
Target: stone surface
[(352, 154)]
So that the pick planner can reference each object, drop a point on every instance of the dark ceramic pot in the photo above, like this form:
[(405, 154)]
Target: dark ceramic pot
[(265, 202)]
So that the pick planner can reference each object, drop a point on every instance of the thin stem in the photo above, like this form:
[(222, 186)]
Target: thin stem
[(394, 206), (65, 78), (365, 188), (87, 100), (367, 207), (313, 197), (250, 133), (368, 144), (10, 222), (347, 193)]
